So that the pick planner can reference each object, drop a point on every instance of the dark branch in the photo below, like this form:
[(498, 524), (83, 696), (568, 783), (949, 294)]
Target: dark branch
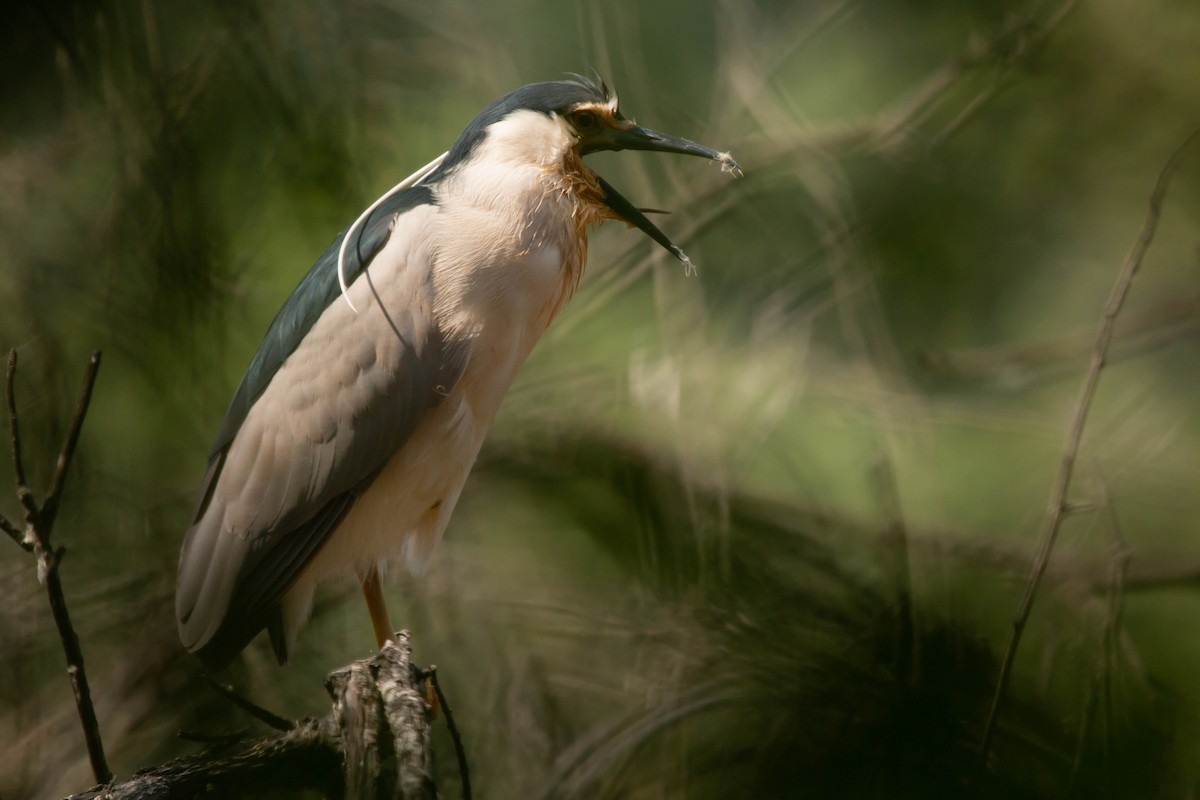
[(374, 743), (300, 759), (24, 495), (15, 534), (50, 506), (37, 540), (10, 401), (253, 709), (459, 751)]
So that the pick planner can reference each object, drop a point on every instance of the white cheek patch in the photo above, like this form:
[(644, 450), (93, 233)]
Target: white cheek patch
[(523, 138)]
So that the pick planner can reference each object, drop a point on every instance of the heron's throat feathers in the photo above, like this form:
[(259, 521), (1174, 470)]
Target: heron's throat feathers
[(575, 185), (578, 183)]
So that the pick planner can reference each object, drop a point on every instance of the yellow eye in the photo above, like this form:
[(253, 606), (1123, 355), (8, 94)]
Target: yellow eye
[(585, 121)]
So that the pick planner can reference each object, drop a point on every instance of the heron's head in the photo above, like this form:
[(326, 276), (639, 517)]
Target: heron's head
[(534, 121)]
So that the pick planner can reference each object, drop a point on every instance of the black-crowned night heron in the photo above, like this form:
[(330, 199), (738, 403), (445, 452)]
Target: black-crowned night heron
[(351, 435)]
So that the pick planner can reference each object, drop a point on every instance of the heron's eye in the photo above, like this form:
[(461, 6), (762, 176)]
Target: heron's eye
[(585, 121)]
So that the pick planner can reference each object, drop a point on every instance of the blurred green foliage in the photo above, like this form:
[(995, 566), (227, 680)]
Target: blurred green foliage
[(757, 533)]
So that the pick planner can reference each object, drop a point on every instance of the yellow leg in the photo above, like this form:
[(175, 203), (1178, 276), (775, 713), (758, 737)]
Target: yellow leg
[(373, 591)]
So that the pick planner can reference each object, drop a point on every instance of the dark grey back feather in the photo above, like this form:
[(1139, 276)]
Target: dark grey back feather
[(336, 470), (307, 301)]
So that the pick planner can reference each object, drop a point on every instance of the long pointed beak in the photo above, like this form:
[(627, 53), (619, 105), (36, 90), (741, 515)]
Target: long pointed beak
[(635, 137), (639, 138), (630, 213)]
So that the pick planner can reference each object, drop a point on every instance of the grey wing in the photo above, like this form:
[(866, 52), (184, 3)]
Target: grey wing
[(340, 404)]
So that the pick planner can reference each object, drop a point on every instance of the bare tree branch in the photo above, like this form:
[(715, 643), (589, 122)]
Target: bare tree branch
[(38, 525), (50, 506), (459, 751), (24, 495), (373, 744), (15, 534), (250, 707), (1059, 506)]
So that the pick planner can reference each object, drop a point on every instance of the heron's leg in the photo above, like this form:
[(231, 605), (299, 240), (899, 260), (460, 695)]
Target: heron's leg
[(373, 591)]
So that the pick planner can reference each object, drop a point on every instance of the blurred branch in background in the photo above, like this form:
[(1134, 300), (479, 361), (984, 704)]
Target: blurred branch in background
[(922, 118), (1059, 502), (788, 667), (1014, 367)]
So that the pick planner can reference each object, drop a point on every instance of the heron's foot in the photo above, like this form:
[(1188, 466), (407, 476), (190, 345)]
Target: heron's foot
[(431, 697), (429, 691)]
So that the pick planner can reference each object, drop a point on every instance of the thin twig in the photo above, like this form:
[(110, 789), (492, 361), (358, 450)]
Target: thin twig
[(24, 495), (250, 707), (15, 534), (14, 430), (913, 119), (75, 668), (50, 506), (1058, 495), (459, 751), (37, 537)]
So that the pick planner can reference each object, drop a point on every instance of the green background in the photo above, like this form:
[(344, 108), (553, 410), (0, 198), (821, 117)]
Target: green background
[(760, 532)]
